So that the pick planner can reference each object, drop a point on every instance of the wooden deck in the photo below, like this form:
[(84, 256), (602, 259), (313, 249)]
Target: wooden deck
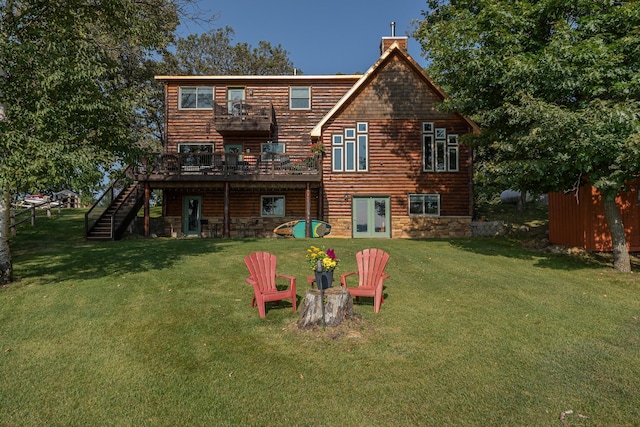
[(230, 167)]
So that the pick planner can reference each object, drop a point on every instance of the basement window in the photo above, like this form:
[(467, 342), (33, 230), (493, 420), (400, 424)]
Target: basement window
[(424, 204), (272, 206)]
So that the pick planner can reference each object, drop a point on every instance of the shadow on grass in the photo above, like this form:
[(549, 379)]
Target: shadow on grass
[(55, 250), (513, 249), (99, 259)]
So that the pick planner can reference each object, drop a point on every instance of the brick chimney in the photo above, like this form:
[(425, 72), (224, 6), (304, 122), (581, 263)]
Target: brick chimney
[(388, 41)]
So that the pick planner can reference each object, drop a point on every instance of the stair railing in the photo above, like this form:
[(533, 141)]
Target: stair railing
[(130, 202), (93, 215)]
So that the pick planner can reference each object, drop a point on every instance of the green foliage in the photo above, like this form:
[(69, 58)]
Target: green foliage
[(213, 53), (161, 332), (72, 84), (553, 84)]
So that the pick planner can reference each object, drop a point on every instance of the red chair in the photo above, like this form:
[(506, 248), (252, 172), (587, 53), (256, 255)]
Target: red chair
[(262, 276), (371, 264)]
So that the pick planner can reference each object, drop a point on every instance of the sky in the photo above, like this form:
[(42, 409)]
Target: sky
[(322, 37)]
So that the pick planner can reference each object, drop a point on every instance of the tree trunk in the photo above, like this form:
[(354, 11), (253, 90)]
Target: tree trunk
[(522, 201), (621, 260), (337, 304), (6, 268)]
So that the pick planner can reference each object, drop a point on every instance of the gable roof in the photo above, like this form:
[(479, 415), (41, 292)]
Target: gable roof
[(367, 77)]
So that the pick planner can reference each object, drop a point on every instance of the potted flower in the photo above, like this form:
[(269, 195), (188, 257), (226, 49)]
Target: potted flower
[(323, 263), (317, 147)]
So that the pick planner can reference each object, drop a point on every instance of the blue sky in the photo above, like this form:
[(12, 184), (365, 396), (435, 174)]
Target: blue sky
[(322, 37)]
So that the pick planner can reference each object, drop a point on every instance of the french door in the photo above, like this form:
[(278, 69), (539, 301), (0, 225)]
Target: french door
[(371, 217)]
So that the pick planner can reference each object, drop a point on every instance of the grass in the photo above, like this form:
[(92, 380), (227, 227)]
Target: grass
[(161, 332)]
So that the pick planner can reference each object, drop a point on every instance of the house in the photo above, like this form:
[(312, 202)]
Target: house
[(369, 154), (577, 219)]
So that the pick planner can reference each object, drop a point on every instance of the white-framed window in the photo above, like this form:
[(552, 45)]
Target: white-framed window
[(452, 153), (441, 155), (424, 204), (427, 153), (440, 152), (363, 149), (350, 156), (196, 98), (272, 206), (300, 98), (337, 159), (350, 150)]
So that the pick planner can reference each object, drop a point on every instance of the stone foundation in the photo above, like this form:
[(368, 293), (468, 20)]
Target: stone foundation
[(401, 228), (412, 227)]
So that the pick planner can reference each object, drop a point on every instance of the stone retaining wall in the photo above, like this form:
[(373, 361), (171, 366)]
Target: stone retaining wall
[(488, 228)]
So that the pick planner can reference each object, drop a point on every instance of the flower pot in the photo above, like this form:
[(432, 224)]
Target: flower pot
[(324, 279)]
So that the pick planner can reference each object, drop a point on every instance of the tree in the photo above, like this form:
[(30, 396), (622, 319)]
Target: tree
[(213, 53), (70, 81), (554, 85)]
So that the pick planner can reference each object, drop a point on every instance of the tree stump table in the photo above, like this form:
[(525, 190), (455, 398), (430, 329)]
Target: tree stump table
[(338, 306)]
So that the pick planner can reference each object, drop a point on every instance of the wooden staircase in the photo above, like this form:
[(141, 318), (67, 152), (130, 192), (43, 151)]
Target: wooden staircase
[(113, 221)]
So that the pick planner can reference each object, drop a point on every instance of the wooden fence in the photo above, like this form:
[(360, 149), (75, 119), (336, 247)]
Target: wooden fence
[(28, 215)]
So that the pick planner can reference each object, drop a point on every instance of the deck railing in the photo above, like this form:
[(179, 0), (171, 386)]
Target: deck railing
[(232, 164), (259, 110)]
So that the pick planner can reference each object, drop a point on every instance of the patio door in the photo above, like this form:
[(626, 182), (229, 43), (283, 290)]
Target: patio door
[(371, 217), (192, 214), (235, 101)]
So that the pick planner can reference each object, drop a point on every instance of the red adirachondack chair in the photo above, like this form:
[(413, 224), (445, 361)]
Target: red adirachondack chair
[(262, 276), (371, 264)]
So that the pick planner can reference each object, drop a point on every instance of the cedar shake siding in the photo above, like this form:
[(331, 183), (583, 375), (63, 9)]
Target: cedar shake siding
[(221, 176)]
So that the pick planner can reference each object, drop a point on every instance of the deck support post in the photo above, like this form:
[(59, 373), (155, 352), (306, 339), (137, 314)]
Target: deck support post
[(147, 210), (307, 211), (226, 221)]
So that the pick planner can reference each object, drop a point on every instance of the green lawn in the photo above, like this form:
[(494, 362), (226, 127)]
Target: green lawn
[(476, 332)]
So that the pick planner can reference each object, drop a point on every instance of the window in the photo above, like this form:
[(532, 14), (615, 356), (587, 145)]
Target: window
[(424, 204), (337, 159), (196, 98), (272, 147), (194, 156), (272, 206), (452, 153), (300, 98), (427, 151), (362, 153), (338, 152), (439, 154), (351, 150)]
